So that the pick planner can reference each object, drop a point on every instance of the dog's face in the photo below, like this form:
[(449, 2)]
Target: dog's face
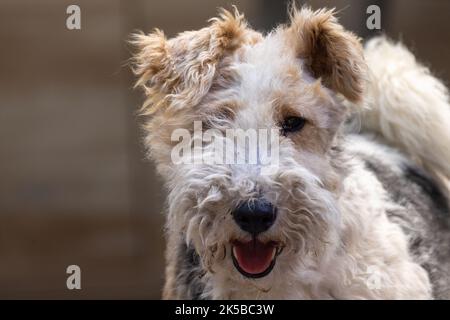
[(257, 220)]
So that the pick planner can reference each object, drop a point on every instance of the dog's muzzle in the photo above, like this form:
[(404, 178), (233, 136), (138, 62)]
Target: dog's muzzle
[(255, 259)]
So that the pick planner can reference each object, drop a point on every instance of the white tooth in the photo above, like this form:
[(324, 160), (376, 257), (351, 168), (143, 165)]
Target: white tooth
[(274, 251)]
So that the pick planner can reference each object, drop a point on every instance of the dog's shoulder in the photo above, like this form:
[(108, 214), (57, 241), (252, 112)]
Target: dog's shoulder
[(403, 179), (421, 204)]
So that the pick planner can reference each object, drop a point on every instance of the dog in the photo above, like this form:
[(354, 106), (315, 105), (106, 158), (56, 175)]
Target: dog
[(357, 204)]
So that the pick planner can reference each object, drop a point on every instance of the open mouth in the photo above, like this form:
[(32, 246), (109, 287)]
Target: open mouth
[(254, 259)]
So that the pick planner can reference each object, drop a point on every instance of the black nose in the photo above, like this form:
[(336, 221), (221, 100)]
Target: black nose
[(255, 216)]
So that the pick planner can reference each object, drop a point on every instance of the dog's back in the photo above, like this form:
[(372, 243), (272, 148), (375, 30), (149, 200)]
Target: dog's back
[(405, 143)]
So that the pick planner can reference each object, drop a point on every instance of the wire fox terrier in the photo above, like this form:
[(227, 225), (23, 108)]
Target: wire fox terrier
[(333, 210)]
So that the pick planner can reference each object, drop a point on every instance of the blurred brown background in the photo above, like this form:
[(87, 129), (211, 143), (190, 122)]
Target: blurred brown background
[(74, 185)]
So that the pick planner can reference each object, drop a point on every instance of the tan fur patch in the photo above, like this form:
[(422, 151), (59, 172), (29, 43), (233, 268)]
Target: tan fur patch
[(331, 53), (177, 73)]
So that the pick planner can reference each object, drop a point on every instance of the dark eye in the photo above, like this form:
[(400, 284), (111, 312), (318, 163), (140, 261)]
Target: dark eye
[(292, 124)]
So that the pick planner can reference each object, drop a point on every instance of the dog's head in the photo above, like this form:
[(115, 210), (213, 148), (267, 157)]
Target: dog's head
[(251, 222)]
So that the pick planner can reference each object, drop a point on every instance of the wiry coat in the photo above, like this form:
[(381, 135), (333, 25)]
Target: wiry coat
[(352, 206)]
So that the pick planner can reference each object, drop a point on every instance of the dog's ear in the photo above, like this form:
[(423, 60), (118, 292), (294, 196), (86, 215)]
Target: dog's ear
[(179, 72), (330, 52)]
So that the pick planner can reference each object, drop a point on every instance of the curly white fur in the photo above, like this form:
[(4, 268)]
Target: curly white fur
[(332, 211), (407, 105)]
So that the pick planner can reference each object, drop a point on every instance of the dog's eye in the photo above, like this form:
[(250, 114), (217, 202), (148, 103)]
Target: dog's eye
[(292, 124)]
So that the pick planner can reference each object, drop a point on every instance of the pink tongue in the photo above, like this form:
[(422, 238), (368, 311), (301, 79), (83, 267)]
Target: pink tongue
[(253, 257)]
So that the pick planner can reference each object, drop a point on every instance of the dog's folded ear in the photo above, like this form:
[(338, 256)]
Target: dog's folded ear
[(179, 72), (330, 52)]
